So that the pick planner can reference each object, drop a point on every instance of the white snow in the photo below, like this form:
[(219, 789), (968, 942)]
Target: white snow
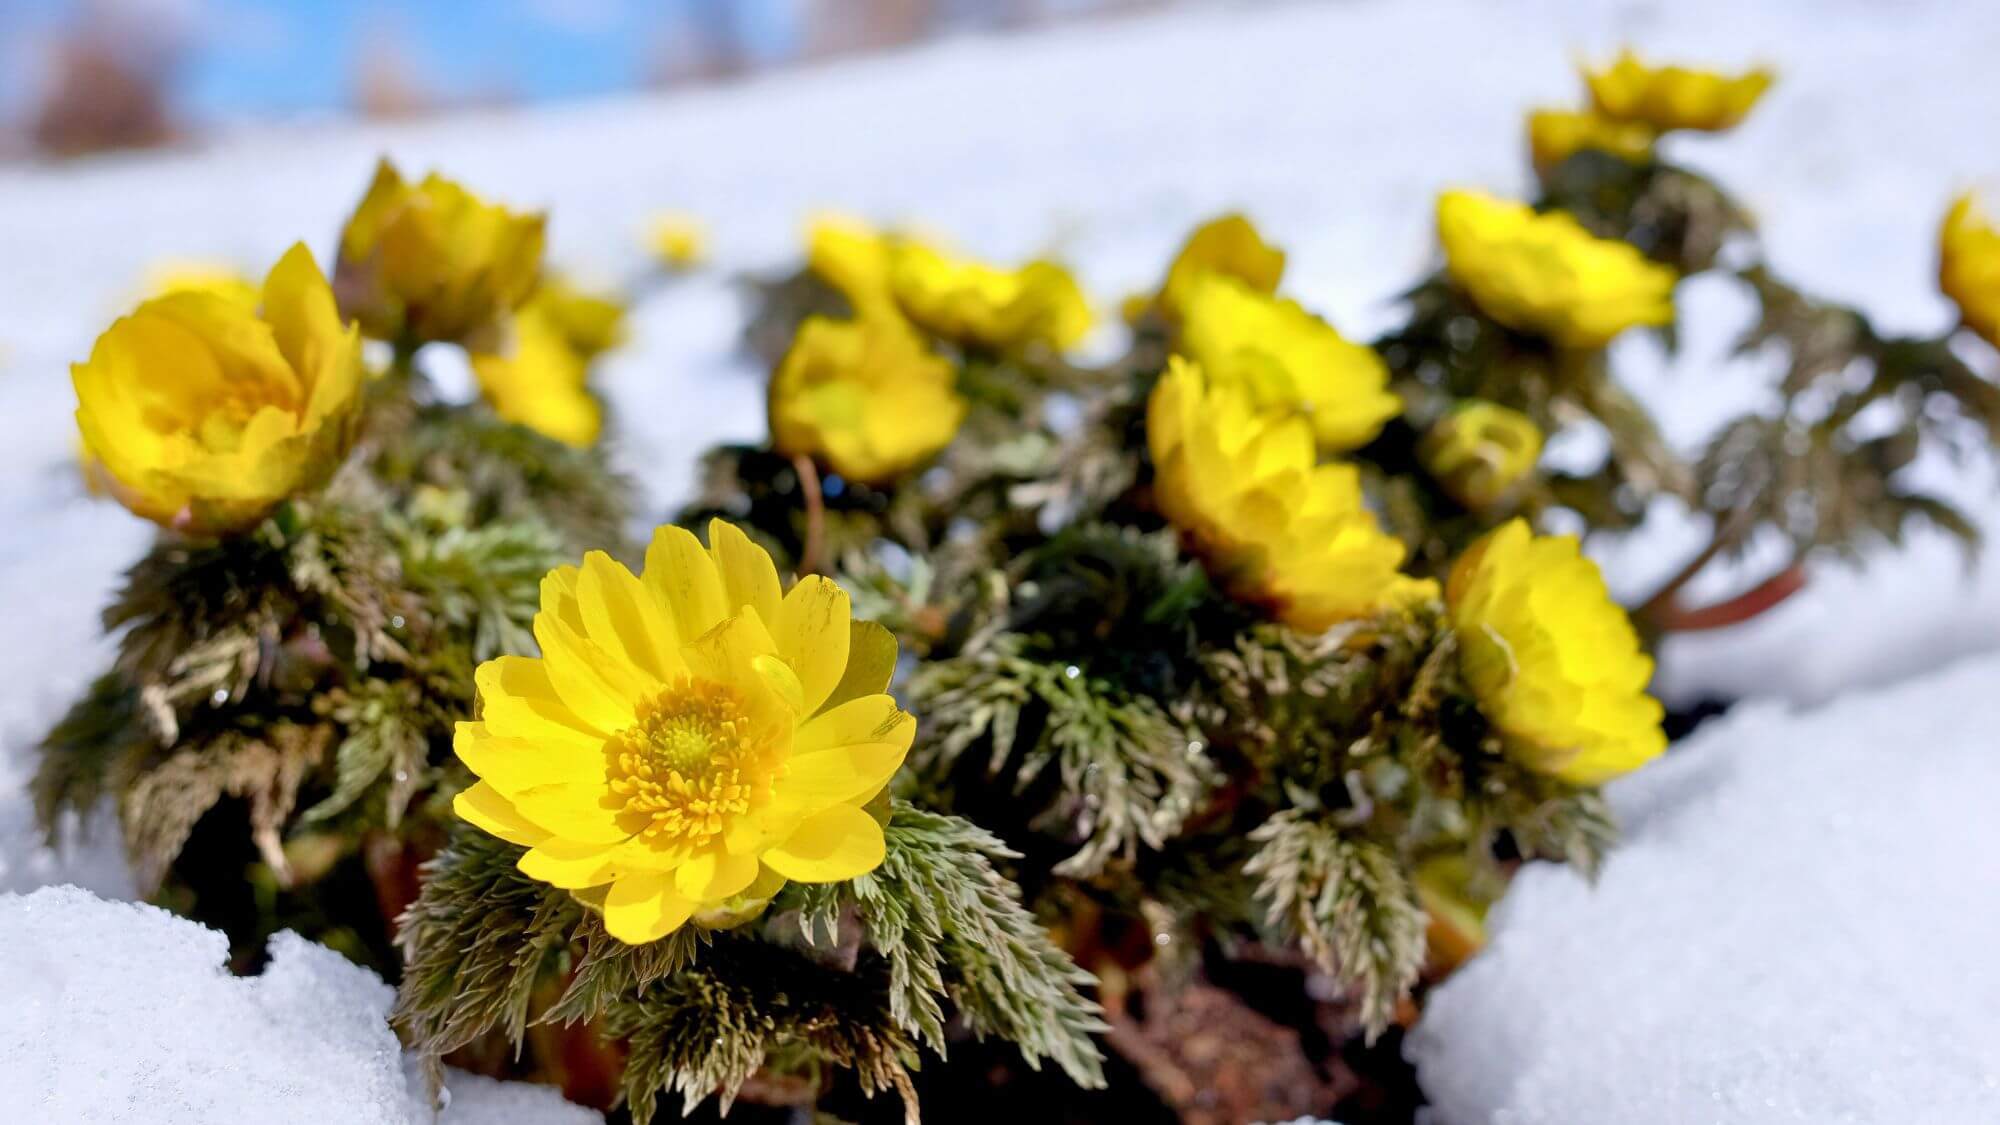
[(1798, 927), (118, 1012)]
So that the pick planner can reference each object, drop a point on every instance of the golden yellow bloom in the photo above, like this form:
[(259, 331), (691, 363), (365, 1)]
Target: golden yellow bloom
[(1480, 451), (690, 738), (1230, 246), (1674, 97), (864, 396), (1553, 661), (1274, 527), (1545, 274), (591, 324), (215, 278), (1969, 266), (541, 381), (975, 303), (853, 257), (1286, 359), (1554, 135), (678, 240), (433, 262), (203, 414)]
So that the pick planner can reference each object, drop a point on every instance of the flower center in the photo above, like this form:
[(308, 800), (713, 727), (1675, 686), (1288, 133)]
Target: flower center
[(693, 761)]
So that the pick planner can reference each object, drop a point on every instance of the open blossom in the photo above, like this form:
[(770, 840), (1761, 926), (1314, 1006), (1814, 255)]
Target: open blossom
[(1285, 358), (540, 381), (1546, 275), (691, 737), (1553, 661), (1554, 135), (1674, 97), (202, 413), (1274, 527), (1230, 246), (865, 396), (974, 303), (1480, 451), (1969, 266), (433, 262)]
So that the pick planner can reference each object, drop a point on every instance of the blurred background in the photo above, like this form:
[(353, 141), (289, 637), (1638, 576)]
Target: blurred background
[(79, 76)]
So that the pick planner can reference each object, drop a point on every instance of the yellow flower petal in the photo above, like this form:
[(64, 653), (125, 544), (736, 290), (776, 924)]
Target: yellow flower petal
[(871, 664), (715, 875), (812, 632), (568, 864), (615, 605), (519, 701), (835, 844), (644, 907), (681, 573), (482, 805), (748, 576)]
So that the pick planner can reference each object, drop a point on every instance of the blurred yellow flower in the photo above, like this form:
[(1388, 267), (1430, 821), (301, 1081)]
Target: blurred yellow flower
[(1480, 451), (433, 262), (1674, 97), (853, 257), (1554, 135), (1552, 660), (590, 323), (1230, 246), (679, 241), (1969, 266), (216, 278), (1546, 275), (202, 414), (978, 304), (1286, 358), (864, 396), (689, 739), (1275, 528), (541, 381)]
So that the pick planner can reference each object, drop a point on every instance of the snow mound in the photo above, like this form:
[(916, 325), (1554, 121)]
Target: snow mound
[(119, 1012), (1798, 928)]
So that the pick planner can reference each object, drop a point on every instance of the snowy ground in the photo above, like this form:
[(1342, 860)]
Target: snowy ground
[(120, 1013), (1778, 940), (1333, 124)]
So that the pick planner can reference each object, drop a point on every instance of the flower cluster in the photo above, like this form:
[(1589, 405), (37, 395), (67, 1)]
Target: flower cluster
[(1632, 103)]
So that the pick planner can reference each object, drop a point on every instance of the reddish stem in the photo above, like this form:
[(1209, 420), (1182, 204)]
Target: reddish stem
[(809, 561), (1734, 611)]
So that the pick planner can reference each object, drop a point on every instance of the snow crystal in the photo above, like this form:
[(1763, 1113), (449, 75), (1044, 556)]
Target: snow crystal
[(119, 1012), (1798, 928)]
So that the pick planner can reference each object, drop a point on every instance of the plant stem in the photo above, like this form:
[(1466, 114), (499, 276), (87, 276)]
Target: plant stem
[(809, 557)]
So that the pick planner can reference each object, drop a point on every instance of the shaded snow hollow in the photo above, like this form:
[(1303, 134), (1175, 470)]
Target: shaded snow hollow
[(1798, 927), (119, 1012)]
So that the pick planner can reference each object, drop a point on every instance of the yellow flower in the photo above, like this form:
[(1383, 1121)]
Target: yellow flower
[(1480, 451), (1554, 135), (1545, 274), (215, 278), (853, 257), (1552, 660), (1674, 97), (1286, 358), (1969, 266), (591, 324), (1274, 527), (678, 240), (865, 396), (433, 262), (541, 382), (1230, 246), (203, 414), (689, 738), (978, 304)]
